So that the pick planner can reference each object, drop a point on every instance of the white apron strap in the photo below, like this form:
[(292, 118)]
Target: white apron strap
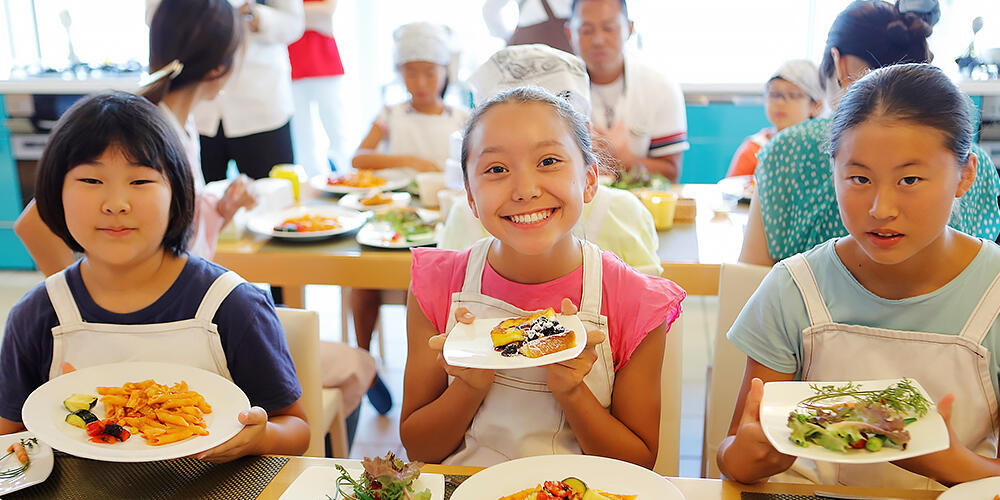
[(217, 293), (804, 278), (985, 313), (593, 279), (62, 299), (477, 263)]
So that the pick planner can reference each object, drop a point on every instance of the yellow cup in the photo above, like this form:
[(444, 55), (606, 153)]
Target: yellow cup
[(294, 173), (661, 204)]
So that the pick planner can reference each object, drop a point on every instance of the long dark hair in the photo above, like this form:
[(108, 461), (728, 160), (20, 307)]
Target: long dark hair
[(202, 34), (877, 33), (913, 93)]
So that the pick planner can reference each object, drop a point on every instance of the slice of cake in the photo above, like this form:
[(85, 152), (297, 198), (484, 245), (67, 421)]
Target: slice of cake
[(533, 336), (548, 345), (515, 329)]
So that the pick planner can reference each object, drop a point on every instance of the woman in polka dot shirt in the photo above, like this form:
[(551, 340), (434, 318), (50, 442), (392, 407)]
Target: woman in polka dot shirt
[(795, 207)]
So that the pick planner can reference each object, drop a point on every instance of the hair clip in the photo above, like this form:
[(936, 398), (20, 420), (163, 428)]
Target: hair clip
[(170, 71)]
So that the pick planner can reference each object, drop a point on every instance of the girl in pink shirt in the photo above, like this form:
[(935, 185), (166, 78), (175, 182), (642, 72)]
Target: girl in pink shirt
[(529, 169)]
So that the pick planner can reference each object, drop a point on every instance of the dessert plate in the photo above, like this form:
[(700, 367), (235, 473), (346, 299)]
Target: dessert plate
[(470, 346)]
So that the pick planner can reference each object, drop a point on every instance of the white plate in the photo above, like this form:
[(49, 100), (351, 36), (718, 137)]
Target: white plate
[(263, 223), (379, 235), (470, 345), (927, 435), (395, 178), (39, 470), (44, 414), (736, 188), (613, 476), (983, 489), (319, 482), (353, 201)]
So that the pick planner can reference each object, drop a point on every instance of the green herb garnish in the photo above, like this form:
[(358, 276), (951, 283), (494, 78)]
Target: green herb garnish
[(385, 478), (902, 397), (28, 444)]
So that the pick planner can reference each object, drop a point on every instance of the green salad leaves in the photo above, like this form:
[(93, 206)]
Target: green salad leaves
[(385, 478)]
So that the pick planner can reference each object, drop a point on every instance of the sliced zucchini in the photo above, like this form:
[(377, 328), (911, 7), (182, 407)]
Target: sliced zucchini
[(81, 418), (576, 484), (80, 402)]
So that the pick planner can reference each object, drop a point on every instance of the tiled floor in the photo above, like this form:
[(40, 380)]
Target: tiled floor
[(378, 434)]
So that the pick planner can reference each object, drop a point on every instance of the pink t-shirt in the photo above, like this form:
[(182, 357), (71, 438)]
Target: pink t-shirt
[(634, 303)]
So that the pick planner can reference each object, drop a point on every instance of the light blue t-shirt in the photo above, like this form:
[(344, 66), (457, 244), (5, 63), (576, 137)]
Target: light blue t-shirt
[(769, 328)]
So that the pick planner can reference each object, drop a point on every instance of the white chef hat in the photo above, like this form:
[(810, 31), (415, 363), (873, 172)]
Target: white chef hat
[(422, 42), (559, 72), (804, 74)]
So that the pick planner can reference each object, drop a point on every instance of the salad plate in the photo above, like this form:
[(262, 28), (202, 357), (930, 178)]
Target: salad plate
[(985, 489), (320, 482), (40, 463), (471, 346), (600, 473), (849, 415), (403, 227), (380, 180), (44, 413)]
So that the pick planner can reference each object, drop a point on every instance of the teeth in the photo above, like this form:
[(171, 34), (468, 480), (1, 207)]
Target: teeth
[(886, 235), (532, 217)]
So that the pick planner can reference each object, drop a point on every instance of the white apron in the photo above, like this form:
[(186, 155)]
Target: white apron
[(193, 342), (943, 364), (519, 416)]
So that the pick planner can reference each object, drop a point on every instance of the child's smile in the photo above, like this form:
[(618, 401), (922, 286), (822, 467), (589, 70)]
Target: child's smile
[(534, 218)]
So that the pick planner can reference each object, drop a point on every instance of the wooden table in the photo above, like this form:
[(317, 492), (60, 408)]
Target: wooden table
[(691, 254), (693, 489)]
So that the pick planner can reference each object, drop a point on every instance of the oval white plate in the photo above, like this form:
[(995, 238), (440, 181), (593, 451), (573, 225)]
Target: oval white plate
[(39, 470), (379, 235), (470, 345), (263, 223), (927, 435), (353, 201), (319, 482), (44, 414), (395, 178), (985, 489), (613, 476)]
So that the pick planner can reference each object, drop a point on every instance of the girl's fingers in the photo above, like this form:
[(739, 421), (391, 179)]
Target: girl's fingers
[(436, 343), (944, 408), (67, 368), (751, 409), (567, 307), (595, 337), (462, 315)]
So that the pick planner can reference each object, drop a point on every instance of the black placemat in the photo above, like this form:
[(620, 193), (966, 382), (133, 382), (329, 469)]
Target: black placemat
[(746, 495), (75, 478), (451, 482)]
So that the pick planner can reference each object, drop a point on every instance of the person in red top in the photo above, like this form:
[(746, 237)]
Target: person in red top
[(793, 96), (316, 73)]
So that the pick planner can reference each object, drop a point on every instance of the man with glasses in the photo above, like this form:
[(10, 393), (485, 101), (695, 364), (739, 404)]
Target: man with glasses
[(638, 112)]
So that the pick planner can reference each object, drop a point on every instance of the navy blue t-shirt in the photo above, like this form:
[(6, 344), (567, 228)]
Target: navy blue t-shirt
[(251, 335)]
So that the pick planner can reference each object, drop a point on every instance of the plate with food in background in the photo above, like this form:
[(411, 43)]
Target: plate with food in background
[(306, 222), (135, 411), (985, 489), (402, 227), (363, 181), (376, 200), (24, 461), (857, 422), (380, 477), (571, 477), (538, 339)]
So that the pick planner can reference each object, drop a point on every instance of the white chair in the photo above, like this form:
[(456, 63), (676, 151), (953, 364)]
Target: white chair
[(389, 297), (671, 374), (323, 407), (737, 282)]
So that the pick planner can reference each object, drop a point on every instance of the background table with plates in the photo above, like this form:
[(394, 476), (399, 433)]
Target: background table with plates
[(691, 253)]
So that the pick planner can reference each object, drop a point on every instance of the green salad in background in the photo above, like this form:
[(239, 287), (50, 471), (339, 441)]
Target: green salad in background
[(407, 225)]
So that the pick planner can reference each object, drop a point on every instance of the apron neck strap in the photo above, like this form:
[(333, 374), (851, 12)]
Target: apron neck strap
[(477, 264), (804, 278), (593, 278), (216, 294), (62, 299), (985, 313)]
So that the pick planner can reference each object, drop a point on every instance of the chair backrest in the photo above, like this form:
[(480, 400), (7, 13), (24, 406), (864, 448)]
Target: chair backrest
[(302, 334), (737, 282), (671, 374)]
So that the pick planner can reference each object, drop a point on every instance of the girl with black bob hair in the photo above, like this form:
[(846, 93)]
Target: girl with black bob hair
[(115, 184), (902, 295)]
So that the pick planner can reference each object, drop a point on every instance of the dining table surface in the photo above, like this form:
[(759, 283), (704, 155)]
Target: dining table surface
[(691, 252), (692, 488)]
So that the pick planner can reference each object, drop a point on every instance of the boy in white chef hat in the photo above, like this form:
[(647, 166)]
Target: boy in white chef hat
[(792, 96), (410, 134), (615, 220)]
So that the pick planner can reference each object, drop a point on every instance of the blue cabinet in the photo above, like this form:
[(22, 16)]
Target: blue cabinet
[(715, 131), (13, 255)]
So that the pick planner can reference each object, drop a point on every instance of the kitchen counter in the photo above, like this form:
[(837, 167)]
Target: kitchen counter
[(58, 85)]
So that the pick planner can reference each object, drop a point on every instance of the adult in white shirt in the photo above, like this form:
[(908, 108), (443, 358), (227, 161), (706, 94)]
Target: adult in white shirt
[(538, 21), (639, 112)]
